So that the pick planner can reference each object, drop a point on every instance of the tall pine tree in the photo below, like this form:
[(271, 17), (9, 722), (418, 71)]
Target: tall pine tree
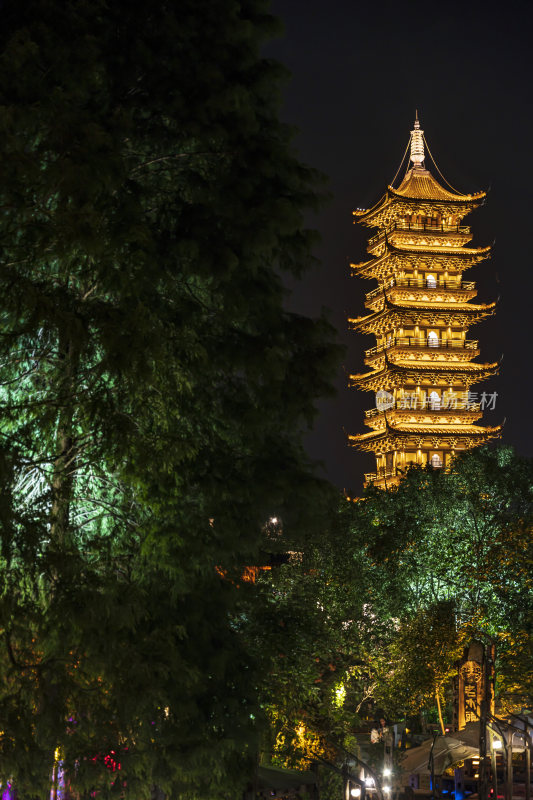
[(153, 390)]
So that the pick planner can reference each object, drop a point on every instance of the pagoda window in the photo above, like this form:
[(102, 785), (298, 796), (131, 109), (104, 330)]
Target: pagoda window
[(431, 282), (436, 461), (434, 401), (433, 339)]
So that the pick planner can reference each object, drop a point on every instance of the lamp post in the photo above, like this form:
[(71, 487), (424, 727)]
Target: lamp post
[(495, 744), (373, 781), (353, 787), (527, 739), (505, 742), (525, 732)]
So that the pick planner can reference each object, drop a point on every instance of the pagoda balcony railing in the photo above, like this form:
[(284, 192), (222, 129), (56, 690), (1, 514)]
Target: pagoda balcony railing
[(382, 474), (429, 342), (421, 283), (421, 227), (414, 403), (371, 477)]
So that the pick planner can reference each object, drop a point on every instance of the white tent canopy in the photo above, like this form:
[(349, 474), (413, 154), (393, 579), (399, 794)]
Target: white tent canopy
[(446, 751)]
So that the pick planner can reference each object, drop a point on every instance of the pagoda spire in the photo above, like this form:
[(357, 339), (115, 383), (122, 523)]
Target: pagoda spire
[(417, 145)]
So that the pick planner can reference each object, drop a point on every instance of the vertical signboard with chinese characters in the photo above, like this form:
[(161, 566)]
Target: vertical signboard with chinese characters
[(476, 669)]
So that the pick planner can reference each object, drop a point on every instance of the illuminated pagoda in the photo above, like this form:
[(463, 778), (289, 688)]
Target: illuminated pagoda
[(422, 366)]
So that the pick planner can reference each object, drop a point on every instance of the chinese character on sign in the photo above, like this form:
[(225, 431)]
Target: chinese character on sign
[(471, 675)]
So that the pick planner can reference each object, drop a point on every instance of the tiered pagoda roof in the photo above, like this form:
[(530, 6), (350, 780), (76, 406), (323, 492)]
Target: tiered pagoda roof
[(393, 257), (420, 186), (394, 375), (414, 312)]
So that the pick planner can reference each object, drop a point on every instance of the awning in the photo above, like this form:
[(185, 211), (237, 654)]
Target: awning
[(282, 779)]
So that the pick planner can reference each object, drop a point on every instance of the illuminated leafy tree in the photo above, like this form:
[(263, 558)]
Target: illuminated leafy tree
[(322, 630), (454, 548), (153, 389), (423, 657), (380, 605)]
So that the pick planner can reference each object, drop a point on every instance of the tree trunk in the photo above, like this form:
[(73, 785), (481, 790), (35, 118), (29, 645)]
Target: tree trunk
[(437, 697), (65, 455)]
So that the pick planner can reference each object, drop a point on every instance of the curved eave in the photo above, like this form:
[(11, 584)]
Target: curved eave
[(479, 311), (446, 197), (470, 201), (419, 183), (426, 430), (451, 430), (361, 213), (371, 262), (467, 368), (427, 304), (460, 251), (355, 323), (478, 434), (479, 253), (396, 416)]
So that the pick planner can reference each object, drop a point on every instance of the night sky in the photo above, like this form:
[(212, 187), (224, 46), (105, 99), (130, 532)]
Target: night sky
[(359, 71)]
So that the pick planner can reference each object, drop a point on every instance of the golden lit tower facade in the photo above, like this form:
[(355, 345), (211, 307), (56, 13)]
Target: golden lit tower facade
[(422, 366)]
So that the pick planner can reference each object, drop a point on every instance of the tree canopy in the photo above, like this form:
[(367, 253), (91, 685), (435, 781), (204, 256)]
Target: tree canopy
[(400, 582), (153, 388)]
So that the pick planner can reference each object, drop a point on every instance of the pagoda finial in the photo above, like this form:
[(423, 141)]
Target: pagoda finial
[(417, 145)]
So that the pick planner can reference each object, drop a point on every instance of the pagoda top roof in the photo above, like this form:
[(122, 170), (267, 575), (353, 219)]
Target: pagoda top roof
[(420, 184)]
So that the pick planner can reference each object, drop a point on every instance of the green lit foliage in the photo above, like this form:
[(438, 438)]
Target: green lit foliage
[(375, 607), (152, 389), (423, 655)]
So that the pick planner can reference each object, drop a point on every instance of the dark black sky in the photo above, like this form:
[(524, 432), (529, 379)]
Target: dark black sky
[(359, 71)]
